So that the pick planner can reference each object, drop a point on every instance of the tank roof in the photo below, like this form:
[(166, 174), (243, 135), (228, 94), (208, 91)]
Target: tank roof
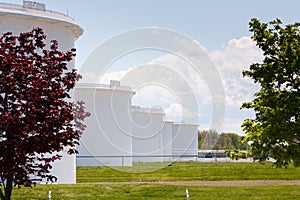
[(153, 110), (111, 87), (185, 124), (38, 11)]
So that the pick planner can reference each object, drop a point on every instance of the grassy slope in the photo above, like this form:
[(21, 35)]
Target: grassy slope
[(189, 171), (179, 171), (148, 191)]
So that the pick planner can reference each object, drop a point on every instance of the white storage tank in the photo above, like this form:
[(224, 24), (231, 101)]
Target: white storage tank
[(22, 18), (184, 141), (166, 142), (107, 139), (147, 134)]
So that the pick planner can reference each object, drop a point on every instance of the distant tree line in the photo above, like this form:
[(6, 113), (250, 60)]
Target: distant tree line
[(211, 139)]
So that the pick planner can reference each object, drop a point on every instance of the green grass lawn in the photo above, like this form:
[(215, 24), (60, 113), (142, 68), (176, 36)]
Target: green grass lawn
[(188, 171), (178, 171), (150, 191)]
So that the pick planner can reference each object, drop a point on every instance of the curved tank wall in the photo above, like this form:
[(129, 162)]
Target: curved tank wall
[(18, 18), (166, 142), (184, 141), (147, 134), (21, 18), (107, 139)]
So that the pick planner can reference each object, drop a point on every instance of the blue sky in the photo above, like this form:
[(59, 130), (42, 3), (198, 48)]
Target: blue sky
[(221, 27), (212, 23)]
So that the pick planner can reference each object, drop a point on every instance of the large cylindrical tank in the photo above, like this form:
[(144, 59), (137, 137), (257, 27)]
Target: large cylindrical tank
[(147, 134), (22, 18), (166, 142), (107, 139), (185, 141)]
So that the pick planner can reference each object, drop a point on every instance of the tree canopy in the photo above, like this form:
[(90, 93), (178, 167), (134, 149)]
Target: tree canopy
[(37, 117), (212, 140), (275, 130)]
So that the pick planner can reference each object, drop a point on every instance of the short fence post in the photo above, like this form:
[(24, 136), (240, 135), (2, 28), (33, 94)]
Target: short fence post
[(216, 159), (170, 162), (187, 194), (49, 195)]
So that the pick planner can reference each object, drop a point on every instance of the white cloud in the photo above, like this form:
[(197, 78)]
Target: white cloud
[(151, 95), (178, 81), (176, 110), (238, 54), (186, 70), (116, 75), (231, 60)]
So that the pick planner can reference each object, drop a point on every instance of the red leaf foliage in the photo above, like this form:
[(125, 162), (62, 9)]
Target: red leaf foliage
[(37, 118)]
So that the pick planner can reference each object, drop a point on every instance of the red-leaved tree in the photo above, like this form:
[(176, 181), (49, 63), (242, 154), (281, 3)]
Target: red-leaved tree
[(38, 119)]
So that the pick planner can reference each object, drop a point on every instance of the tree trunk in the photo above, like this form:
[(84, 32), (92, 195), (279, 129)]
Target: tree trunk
[(296, 162), (1, 194), (8, 189)]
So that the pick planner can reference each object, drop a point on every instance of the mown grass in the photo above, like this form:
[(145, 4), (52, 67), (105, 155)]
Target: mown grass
[(151, 191), (187, 171)]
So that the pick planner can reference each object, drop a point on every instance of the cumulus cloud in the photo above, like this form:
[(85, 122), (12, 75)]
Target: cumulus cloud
[(161, 84), (151, 95), (171, 81), (236, 56), (176, 110), (231, 60), (192, 78)]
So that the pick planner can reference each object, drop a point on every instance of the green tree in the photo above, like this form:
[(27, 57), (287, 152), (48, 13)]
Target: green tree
[(207, 139), (37, 117), (275, 131), (211, 139), (228, 141)]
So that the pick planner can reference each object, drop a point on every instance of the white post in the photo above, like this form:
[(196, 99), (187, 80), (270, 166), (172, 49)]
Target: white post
[(49, 195), (187, 194), (216, 160), (170, 161)]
